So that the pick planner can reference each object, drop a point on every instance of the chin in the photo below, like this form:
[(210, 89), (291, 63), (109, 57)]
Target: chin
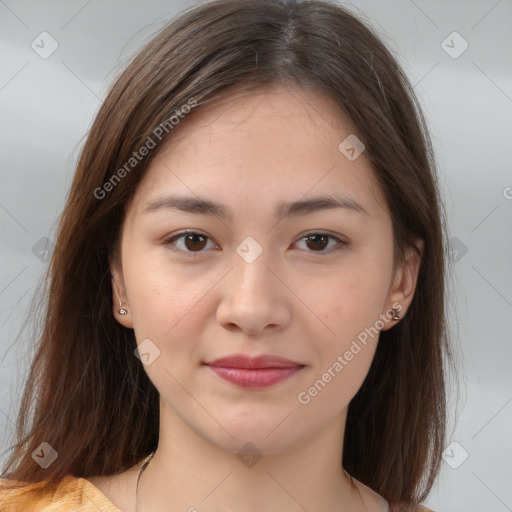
[(261, 437)]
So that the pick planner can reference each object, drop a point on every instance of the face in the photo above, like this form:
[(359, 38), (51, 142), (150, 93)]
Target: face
[(307, 283)]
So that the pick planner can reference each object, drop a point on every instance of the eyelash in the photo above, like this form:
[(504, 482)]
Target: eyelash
[(195, 254)]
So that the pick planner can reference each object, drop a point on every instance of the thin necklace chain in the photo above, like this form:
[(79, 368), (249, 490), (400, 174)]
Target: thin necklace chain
[(141, 470), (150, 456)]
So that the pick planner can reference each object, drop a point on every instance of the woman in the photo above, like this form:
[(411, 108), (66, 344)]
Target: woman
[(246, 299)]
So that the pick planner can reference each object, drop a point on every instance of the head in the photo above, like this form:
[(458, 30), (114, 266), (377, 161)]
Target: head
[(251, 105)]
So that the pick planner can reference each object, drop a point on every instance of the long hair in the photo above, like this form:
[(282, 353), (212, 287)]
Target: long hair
[(90, 398)]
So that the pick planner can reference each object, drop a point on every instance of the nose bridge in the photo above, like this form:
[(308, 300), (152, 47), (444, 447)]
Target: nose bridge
[(251, 263)]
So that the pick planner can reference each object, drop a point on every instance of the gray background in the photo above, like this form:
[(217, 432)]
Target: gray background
[(47, 105)]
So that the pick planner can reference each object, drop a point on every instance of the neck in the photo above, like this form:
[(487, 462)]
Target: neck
[(189, 472)]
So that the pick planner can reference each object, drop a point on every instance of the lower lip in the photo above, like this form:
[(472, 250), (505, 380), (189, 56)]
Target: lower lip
[(255, 378)]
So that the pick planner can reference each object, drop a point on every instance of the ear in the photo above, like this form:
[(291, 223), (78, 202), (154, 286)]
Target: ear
[(403, 287), (119, 299)]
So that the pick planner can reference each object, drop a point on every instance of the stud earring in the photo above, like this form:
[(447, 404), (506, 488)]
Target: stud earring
[(395, 315), (122, 311)]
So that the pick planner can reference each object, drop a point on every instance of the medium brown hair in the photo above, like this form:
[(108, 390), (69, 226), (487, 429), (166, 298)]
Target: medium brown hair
[(92, 400)]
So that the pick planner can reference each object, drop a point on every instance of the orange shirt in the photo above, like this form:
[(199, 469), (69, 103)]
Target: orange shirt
[(72, 495)]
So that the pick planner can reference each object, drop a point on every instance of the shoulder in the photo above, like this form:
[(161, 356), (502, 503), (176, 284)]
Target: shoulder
[(71, 494), (374, 501)]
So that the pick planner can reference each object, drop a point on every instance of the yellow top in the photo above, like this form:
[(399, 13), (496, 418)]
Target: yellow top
[(72, 495)]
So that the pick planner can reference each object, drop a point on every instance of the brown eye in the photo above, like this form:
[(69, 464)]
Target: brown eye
[(317, 242), (189, 242), (195, 242)]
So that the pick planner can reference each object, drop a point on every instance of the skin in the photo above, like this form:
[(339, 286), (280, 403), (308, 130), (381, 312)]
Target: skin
[(296, 300)]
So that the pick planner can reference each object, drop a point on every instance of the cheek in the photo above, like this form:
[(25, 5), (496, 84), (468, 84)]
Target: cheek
[(348, 307), (162, 301), (350, 301), (345, 341)]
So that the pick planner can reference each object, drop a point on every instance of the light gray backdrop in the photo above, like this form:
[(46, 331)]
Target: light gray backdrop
[(57, 60)]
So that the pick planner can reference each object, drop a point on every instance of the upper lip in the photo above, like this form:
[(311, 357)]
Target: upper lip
[(244, 361)]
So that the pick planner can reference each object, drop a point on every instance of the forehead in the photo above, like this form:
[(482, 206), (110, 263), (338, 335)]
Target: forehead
[(254, 147), (286, 112)]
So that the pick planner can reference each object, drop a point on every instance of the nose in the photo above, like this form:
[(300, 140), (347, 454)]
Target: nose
[(254, 299)]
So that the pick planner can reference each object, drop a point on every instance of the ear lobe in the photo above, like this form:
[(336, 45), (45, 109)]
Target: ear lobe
[(121, 307)]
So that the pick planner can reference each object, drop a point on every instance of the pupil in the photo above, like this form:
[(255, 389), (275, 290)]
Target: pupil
[(315, 239), (190, 238)]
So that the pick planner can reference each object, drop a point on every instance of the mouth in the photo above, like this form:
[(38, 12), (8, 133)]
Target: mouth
[(254, 372)]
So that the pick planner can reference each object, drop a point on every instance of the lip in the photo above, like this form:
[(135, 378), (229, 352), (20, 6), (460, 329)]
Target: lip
[(254, 372), (248, 362)]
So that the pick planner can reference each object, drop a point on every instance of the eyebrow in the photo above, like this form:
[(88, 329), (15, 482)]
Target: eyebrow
[(204, 206)]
